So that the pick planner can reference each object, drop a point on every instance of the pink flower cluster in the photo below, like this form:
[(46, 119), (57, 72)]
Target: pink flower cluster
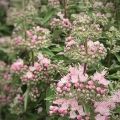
[(81, 18), (17, 66), (37, 36), (103, 109), (32, 72), (61, 22), (77, 79), (68, 107), (95, 50), (69, 42)]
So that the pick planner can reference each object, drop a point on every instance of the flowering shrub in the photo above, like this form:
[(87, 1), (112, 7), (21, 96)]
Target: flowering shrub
[(61, 61)]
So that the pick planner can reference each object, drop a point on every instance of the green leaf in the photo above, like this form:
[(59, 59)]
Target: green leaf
[(117, 56), (117, 110), (50, 95), (49, 98), (48, 52), (57, 49), (26, 95)]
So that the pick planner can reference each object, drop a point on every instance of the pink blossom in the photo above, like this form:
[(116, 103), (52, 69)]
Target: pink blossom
[(100, 78), (101, 117), (37, 66), (104, 107), (116, 97), (29, 75), (43, 61), (66, 23), (73, 115), (17, 66), (29, 33), (18, 40)]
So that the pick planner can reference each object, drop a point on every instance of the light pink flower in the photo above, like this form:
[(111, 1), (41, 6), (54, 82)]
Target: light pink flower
[(101, 117), (29, 75), (100, 77), (17, 66)]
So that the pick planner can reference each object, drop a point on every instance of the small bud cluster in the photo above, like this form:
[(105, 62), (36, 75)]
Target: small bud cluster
[(68, 107), (34, 93), (16, 107), (61, 23), (54, 3), (81, 18), (108, 6), (6, 88), (6, 94), (80, 30), (95, 51), (100, 18), (34, 38)]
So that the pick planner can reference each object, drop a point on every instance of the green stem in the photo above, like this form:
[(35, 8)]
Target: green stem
[(24, 20), (65, 8), (32, 57), (109, 55), (86, 50)]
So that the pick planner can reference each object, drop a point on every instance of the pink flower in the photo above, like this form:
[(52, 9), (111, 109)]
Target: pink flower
[(73, 115), (29, 75), (43, 61), (74, 75), (34, 38), (116, 97), (17, 66), (29, 33), (70, 41), (100, 78), (66, 23), (104, 107), (37, 66), (18, 40), (101, 117)]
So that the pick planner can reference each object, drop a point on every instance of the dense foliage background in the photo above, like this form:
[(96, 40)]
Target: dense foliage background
[(40, 40)]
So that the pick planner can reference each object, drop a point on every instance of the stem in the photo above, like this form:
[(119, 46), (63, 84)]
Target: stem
[(24, 21), (65, 8), (32, 57), (86, 50), (109, 56)]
